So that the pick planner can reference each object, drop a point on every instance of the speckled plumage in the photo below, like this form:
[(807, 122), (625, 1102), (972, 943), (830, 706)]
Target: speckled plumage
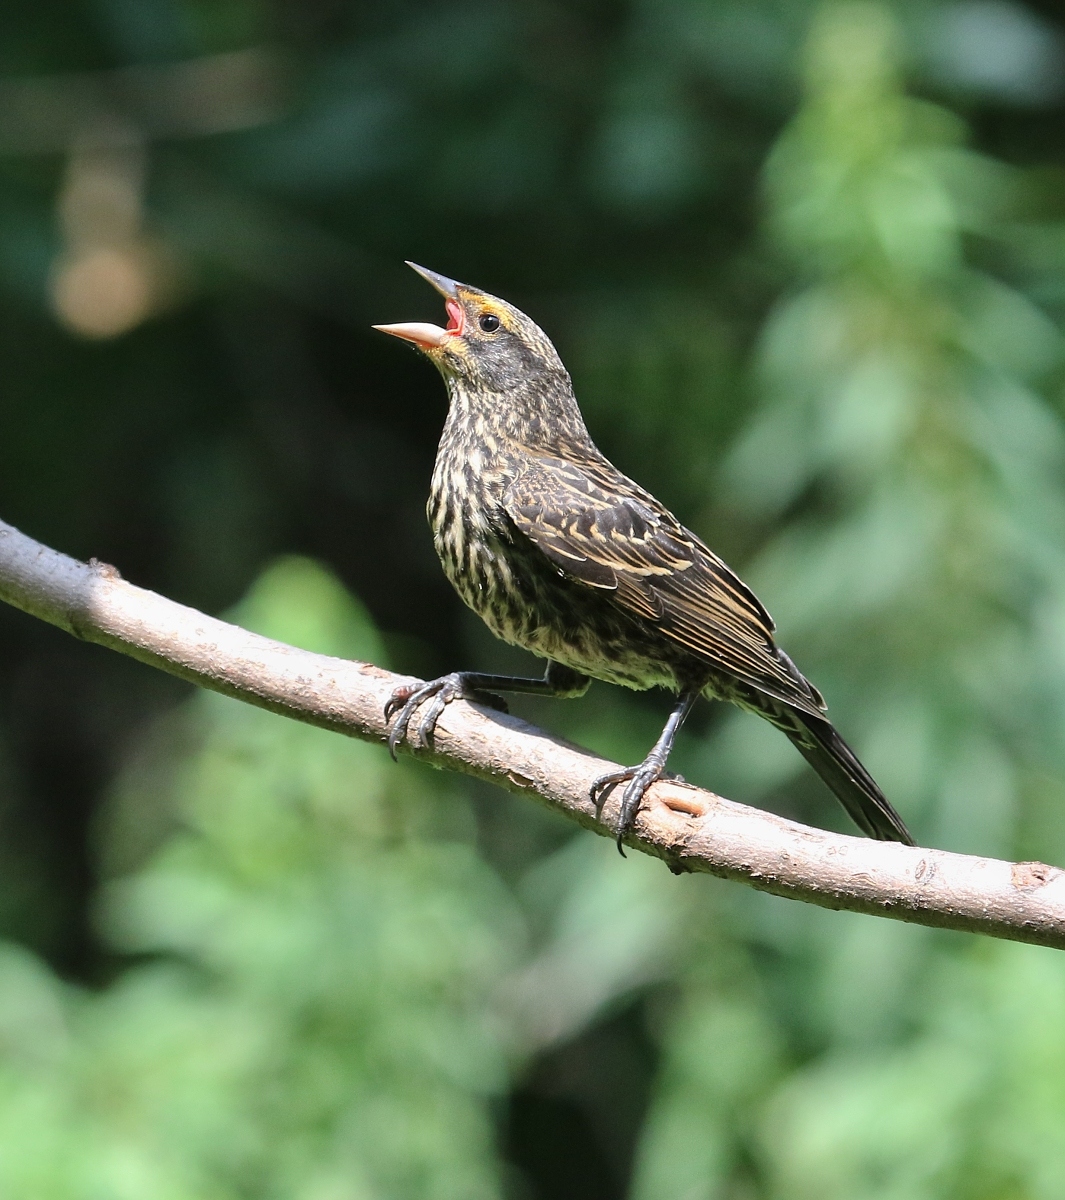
[(560, 553), (523, 597)]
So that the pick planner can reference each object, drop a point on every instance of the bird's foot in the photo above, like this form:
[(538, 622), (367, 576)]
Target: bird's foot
[(408, 699), (639, 779)]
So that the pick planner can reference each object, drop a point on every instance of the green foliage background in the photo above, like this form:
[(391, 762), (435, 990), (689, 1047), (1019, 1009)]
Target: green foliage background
[(806, 263)]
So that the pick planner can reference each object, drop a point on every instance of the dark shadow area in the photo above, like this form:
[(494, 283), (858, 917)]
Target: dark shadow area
[(570, 1127)]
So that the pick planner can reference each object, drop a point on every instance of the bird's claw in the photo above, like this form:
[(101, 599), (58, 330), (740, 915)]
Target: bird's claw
[(406, 701), (396, 701), (639, 779)]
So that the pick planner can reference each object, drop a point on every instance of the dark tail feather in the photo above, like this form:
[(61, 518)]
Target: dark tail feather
[(838, 766)]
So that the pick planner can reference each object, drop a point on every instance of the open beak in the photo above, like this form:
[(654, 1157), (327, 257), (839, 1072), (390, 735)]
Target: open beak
[(448, 288), (423, 334)]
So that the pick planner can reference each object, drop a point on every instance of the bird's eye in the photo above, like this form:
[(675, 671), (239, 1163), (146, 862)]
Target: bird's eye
[(488, 322)]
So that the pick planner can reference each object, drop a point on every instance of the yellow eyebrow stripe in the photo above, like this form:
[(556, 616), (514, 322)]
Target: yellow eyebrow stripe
[(484, 305)]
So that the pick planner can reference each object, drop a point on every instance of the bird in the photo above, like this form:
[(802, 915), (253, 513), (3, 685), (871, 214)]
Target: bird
[(560, 553)]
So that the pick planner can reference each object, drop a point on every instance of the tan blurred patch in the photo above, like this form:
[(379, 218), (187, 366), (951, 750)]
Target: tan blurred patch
[(111, 274), (106, 291)]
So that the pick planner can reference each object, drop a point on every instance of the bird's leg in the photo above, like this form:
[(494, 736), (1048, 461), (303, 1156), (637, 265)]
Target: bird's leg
[(558, 681), (640, 778)]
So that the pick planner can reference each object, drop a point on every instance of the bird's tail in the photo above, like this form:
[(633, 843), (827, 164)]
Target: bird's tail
[(838, 766)]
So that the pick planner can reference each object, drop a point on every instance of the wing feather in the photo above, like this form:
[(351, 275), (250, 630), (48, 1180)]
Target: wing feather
[(604, 531)]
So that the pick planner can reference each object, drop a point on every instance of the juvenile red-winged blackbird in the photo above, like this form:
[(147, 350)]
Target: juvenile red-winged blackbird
[(558, 552)]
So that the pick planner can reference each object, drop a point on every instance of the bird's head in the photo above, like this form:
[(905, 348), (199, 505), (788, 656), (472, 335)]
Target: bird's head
[(487, 345)]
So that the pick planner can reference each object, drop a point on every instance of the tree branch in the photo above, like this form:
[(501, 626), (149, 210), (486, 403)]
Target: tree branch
[(692, 830)]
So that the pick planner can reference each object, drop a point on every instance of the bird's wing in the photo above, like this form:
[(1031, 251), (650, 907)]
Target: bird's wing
[(602, 530)]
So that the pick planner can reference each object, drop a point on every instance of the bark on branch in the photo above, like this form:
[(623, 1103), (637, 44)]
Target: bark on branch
[(691, 829)]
